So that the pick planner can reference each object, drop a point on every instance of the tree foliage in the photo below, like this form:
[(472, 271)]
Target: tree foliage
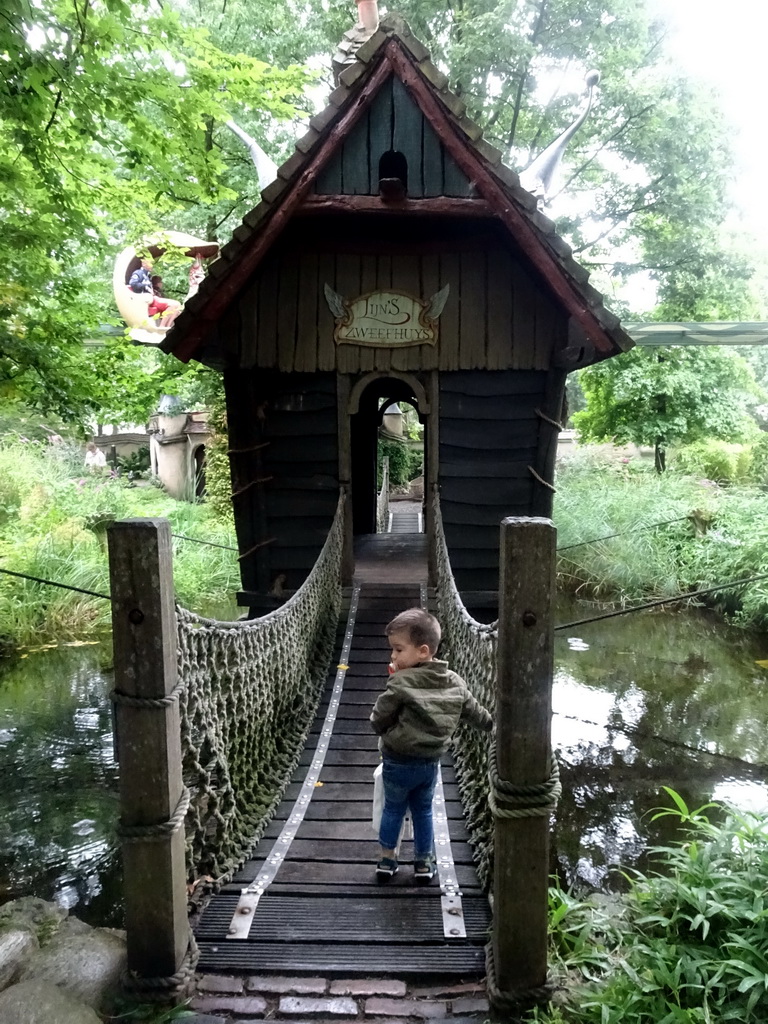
[(644, 181), (105, 110), (660, 397), (112, 123)]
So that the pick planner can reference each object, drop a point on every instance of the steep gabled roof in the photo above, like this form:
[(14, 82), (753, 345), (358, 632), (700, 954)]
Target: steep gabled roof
[(393, 50)]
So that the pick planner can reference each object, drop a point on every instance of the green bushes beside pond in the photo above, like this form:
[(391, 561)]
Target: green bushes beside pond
[(715, 534), (53, 520)]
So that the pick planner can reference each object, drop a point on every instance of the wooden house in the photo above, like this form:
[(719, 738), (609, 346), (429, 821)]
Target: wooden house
[(394, 258)]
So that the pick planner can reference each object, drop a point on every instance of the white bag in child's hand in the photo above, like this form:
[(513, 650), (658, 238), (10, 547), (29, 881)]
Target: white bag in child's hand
[(406, 832), (378, 798)]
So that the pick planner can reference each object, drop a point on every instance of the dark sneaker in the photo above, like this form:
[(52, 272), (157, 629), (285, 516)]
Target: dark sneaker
[(386, 869), (424, 871)]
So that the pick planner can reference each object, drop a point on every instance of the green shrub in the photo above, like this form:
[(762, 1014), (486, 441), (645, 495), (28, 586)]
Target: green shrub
[(715, 460), (760, 460), (55, 529), (601, 499), (404, 463), (135, 463), (710, 535)]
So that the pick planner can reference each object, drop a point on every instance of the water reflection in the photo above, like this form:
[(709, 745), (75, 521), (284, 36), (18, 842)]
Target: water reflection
[(646, 701), (58, 806)]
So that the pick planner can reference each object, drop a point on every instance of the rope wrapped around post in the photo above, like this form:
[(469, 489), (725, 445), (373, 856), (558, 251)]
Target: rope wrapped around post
[(514, 1001), (509, 801), (159, 832), (169, 988), (147, 702)]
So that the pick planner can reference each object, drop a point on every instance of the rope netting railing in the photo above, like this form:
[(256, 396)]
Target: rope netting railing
[(470, 647), (382, 499), (249, 691)]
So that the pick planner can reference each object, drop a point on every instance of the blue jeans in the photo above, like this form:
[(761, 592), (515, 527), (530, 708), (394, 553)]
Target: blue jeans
[(408, 784)]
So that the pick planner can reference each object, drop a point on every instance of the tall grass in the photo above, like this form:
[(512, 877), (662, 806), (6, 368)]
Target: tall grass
[(53, 520), (721, 535), (53, 523)]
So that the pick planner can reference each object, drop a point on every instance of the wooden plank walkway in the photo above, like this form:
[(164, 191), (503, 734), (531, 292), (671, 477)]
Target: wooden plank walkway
[(324, 911)]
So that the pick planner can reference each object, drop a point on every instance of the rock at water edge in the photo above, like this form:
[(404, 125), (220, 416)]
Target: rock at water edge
[(36, 1002)]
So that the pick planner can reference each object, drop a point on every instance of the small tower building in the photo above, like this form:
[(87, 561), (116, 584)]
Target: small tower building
[(395, 258)]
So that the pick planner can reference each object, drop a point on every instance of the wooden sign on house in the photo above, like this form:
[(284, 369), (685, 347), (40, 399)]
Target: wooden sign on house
[(394, 258)]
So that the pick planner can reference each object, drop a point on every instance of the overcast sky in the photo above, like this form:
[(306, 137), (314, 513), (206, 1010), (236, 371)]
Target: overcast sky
[(725, 43)]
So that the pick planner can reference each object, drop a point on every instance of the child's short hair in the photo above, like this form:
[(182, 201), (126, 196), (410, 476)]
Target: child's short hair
[(420, 627)]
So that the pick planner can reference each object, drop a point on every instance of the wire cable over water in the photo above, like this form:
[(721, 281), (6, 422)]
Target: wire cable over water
[(623, 533)]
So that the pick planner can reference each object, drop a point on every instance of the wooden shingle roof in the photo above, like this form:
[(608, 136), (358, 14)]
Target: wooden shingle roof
[(393, 50)]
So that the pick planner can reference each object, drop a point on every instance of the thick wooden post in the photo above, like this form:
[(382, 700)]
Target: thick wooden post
[(149, 743), (432, 474), (523, 714), (343, 388)]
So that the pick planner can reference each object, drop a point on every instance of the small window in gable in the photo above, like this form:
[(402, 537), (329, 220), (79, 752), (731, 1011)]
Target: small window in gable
[(393, 166)]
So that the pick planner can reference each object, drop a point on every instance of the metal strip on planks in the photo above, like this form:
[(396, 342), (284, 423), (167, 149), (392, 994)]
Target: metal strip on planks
[(454, 926), (242, 919)]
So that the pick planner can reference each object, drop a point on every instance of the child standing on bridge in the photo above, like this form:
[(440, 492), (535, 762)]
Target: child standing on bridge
[(415, 717)]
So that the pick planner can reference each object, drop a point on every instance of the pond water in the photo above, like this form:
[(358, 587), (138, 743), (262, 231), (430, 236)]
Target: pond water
[(58, 802), (640, 702), (644, 701)]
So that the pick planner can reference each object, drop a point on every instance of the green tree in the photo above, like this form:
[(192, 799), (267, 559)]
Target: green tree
[(644, 181), (660, 397), (104, 115), (112, 123)]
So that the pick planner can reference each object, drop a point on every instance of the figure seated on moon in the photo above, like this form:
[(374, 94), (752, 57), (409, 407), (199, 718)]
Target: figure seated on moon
[(138, 291)]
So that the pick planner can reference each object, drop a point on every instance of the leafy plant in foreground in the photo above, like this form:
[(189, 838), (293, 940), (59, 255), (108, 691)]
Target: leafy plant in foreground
[(692, 942)]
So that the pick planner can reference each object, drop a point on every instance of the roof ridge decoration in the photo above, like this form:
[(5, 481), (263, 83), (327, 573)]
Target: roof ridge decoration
[(394, 50)]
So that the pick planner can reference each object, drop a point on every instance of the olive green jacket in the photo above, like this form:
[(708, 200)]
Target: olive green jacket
[(420, 709)]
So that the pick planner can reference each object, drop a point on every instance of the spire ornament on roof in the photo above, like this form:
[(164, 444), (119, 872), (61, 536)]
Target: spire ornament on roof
[(540, 175), (266, 168)]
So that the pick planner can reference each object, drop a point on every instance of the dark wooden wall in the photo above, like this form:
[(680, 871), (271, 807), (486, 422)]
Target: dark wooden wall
[(283, 436), (497, 315), (393, 122), (489, 435)]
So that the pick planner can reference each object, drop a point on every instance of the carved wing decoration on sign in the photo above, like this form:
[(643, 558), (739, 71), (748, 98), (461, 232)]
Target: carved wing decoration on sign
[(386, 318), (336, 303), (437, 303)]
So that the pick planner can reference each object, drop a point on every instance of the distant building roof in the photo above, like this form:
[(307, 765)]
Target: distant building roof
[(724, 332)]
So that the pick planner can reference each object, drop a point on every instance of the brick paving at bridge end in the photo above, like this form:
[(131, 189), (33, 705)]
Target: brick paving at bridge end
[(221, 999)]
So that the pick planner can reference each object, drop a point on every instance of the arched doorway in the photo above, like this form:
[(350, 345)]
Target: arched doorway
[(368, 401)]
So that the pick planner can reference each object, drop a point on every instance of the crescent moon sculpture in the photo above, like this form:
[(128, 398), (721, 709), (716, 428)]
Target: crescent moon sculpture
[(133, 306)]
